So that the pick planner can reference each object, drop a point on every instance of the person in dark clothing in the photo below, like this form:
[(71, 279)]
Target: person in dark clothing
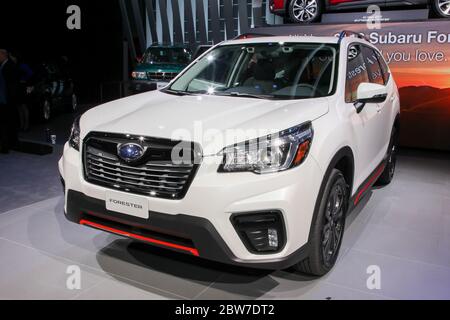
[(9, 90), (25, 76)]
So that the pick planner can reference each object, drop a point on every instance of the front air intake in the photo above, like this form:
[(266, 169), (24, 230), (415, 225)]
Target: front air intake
[(261, 232)]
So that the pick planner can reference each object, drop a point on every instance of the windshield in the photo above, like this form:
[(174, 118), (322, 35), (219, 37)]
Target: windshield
[(263, 70), (167, 55)]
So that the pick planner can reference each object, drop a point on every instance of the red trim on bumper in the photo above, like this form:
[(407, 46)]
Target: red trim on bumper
[(138, 237), (369, 183)]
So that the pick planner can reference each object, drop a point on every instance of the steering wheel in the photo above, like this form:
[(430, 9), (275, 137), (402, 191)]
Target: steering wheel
[(303, 85)]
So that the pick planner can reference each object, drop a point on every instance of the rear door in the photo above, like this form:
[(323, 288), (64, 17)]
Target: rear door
[(367, 125), (378, 75)]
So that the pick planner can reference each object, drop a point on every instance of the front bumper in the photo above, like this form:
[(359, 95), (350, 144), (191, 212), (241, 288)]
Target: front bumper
[(182, 233), (203, 216)]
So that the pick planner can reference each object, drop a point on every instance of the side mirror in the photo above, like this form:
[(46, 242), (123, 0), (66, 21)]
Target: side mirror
[(369, 93)]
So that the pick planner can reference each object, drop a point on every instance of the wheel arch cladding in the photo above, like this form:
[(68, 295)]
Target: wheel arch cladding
[(343, 159)]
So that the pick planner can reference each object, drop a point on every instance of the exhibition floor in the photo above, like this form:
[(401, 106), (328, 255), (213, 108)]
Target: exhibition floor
[(403, 228)]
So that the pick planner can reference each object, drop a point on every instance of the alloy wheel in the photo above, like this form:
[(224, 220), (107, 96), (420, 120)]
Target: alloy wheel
[(333, 225), (305, 10), (444, 7)]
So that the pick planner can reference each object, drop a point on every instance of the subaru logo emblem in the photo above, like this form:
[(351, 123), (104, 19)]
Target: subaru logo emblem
[(130, 151)]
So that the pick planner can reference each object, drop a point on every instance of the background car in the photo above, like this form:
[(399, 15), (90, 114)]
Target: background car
[(305, 11), (52, 88), (158, 66)]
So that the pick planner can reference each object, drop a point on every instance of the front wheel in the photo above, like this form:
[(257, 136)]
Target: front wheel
[(327, 227), (441, 8), (305, 11)]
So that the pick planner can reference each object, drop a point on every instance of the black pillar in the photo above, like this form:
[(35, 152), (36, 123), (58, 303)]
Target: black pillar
[(229, 21), (215, 23), (127, 29), (177, 29), (139, 23), (189, 26), (243, 16), (164, 21), (151, 20), (201, 25)]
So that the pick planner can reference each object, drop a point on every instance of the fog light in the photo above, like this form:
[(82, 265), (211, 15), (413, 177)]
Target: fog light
[(260, 232), (273, 238)]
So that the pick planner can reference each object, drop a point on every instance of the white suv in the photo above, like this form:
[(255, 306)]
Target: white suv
[(252, 156)]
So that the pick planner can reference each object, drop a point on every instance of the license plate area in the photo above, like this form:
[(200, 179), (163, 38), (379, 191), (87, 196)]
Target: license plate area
[(129, 204)]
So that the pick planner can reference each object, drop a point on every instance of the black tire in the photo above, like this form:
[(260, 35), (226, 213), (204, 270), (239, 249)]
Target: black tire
[(388, 172), (300, 13), (441, 8), (327, 221)]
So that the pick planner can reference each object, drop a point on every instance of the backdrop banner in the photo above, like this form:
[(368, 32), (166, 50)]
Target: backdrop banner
[(418, 54)]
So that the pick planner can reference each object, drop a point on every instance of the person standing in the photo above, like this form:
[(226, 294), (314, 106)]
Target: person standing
[(25, 76), (9, 90)]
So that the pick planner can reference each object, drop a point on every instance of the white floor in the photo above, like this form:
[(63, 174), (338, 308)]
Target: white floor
[(403, 228)]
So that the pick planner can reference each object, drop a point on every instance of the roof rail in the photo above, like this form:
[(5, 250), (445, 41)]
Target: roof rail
[(252, 35), (348, 33)]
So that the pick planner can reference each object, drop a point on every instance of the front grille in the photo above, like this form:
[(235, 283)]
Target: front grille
[(162, 76), (153, 175)]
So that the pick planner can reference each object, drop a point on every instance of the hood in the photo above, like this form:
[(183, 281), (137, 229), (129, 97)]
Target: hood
[(212, 121), (160, 67)]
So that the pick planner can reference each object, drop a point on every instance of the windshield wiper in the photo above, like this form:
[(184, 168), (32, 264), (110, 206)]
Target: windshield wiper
[(225, 94), (244, 95), (179, 92)]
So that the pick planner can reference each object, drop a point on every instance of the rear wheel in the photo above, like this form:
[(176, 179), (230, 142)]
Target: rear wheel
[(441, 8), (389, 170), (305, 11), (327, 228)]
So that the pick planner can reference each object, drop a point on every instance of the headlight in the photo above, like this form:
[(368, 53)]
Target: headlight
[(74, 139), (276, 152), (139, 75)]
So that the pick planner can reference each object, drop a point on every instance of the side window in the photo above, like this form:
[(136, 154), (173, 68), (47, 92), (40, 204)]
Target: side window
[(356, 72), (373, 66), (384, 67)]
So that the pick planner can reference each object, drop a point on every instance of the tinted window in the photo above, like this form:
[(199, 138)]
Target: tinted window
[(373, 66), (356, 72), (166, 55)]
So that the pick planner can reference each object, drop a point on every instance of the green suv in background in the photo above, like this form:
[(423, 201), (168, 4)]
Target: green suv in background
[(158, 66)]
